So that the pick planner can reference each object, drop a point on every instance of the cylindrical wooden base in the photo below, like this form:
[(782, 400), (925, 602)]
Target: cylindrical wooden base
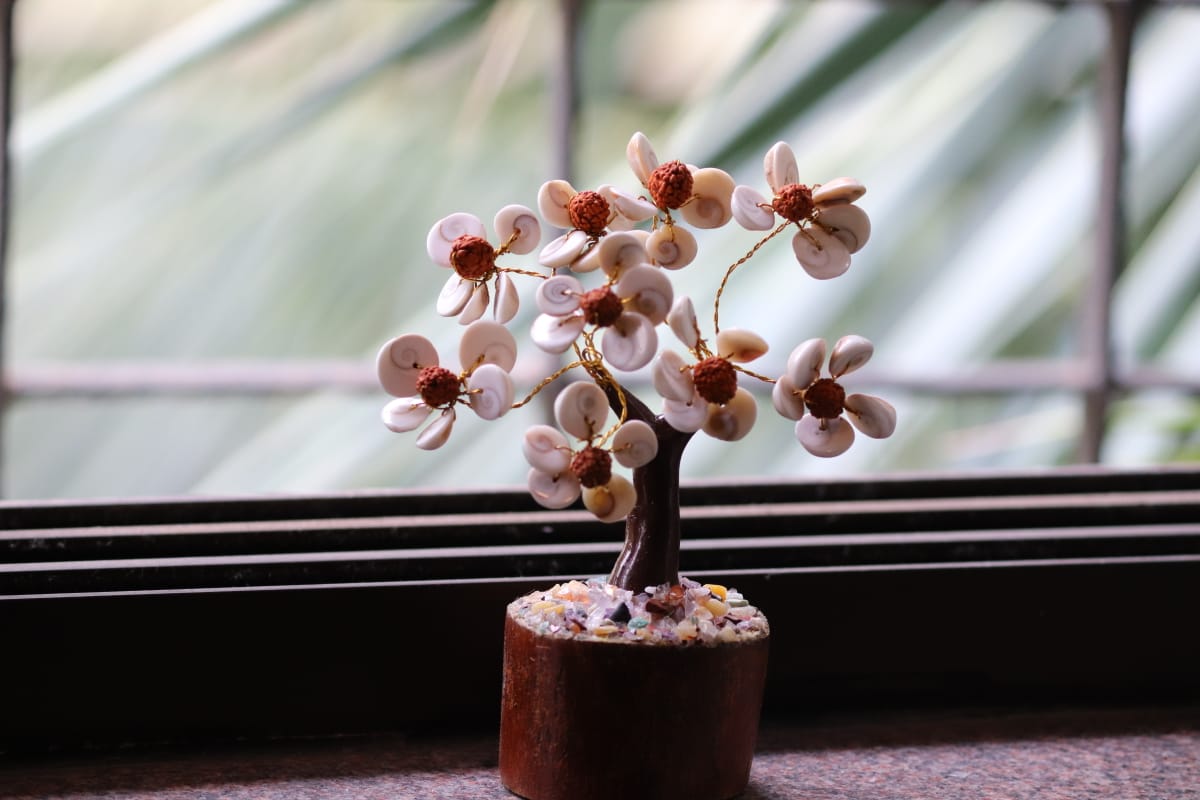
[(590, 720)]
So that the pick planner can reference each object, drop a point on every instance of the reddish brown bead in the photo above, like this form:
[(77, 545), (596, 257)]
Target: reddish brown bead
[(472, 257), (437, 386), (670, 184), (589, 212), (715, 379), (794, 202), (601, 307), (825, 399), (592, 466)]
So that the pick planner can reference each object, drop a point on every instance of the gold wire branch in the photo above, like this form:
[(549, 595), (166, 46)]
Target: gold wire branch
[(734, 266), (512, 237), (592, 361), (529, 273), (753, 374), (558, 373)]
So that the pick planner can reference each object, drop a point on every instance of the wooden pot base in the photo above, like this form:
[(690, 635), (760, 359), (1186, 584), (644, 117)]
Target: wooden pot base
[(591, 720)]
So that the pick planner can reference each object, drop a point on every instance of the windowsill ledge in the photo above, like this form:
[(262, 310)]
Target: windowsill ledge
[(1127, 753)]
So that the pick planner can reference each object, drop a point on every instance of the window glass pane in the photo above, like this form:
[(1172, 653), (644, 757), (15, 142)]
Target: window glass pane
[(207, 181), (1156, 314)]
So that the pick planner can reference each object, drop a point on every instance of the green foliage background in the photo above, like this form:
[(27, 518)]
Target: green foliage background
[(266, 195)]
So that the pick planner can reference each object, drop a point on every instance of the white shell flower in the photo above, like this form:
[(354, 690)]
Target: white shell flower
[(823, 431), (409, 369), (459, 242), (701, 195), (587, 216), (705, 394), (624, 311), (732, 410), (830, 228), (558, 474)]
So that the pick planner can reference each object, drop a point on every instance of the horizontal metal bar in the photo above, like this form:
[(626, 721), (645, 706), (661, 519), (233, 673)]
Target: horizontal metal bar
[(458, 533), (746, 543), (275, 377), (433, 564), (124, 378), (118, 512), (522, 583)]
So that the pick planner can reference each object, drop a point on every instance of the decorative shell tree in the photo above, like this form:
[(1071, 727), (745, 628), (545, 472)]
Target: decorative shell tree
[(570, 685)]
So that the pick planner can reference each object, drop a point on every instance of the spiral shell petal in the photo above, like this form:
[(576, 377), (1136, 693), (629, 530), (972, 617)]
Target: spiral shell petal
[(521, 221), (804, 363), (873, 416), (400, 360), (779, 167), (849, 353), (581, 409), (553, 491), (831, 440), (822, 254), (634, 444), (733, 420), (491, 391), (552, 201), (443, 233), (487, 342), (437, 433), (629, 343), (405, 414), (671, 247), (712, 190), (546, 449), (611, 502)]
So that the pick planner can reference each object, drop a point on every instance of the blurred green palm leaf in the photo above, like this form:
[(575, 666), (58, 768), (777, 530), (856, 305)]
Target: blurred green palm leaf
[(265, 193)]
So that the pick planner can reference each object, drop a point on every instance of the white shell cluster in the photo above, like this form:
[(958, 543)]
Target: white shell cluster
[(709, 206), (569, 249), (872, 416), (487, 352), (645, 292), (581, 409), (836, 228), (519, 231), (683, 407), (631, 255)]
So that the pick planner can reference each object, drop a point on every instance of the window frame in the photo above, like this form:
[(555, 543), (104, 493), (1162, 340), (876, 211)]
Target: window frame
[(350, 613), (1094, 375)]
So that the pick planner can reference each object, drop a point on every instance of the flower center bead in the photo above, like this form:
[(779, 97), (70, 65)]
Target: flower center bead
[(670, 184), (715, 380), (588, 212), (437, 386), (794, 202), (825, 399), (472, 257), (601, 307), (592, 466)]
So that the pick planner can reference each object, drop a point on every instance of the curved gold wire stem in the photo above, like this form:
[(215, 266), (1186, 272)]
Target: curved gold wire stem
[(753, 374), (593, 362), (512, 237), (558, 373), (734, 266), (587, 356), (529, 273)]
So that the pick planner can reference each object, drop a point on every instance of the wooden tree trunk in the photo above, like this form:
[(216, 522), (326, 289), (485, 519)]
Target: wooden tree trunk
[(650, 556)]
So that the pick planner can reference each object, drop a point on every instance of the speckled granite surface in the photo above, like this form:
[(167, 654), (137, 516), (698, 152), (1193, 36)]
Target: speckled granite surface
[(1064, 755)]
